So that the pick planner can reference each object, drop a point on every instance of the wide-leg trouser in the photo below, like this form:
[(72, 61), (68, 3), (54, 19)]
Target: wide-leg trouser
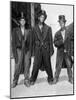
[(26, 65), (60, 59), (42, 56)]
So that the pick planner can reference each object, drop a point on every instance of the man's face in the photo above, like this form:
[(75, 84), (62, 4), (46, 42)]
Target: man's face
[(41, 18), (62, 24), (22, 22)]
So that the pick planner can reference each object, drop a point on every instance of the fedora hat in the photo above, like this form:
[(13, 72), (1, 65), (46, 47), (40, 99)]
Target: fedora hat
[(21, 16), (61, 18)]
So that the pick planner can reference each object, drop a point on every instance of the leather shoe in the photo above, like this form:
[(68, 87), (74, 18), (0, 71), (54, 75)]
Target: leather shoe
[(27, 83), (32, 82), (14, 85), (55, 81), (71, 81), (50, 81)]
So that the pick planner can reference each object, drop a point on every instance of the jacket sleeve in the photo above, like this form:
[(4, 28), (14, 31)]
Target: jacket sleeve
[(71, 41), (72, 46), (58, 42), (51, 42), (14, 44)]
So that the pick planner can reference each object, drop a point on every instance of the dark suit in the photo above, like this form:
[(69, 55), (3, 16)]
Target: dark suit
[(70, 29), (21, 53), (61, 55), (42, 44)]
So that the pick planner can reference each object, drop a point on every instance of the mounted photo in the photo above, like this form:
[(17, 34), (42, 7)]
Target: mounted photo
[(41, 49)]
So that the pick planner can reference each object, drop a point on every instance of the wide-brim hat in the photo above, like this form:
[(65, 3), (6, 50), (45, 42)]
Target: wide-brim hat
[(61, 18), (42, 12)]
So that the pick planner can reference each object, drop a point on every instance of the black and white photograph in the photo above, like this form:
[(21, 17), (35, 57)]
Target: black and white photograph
[(41, 49)]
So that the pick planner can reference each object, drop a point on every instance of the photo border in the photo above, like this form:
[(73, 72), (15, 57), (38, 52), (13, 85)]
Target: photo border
[(10, 52)]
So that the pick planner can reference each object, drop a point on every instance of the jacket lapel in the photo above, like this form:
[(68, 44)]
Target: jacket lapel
[(38, 32), (19, 34), (66, 34), (60, 35), (45, 31), (26, 34)]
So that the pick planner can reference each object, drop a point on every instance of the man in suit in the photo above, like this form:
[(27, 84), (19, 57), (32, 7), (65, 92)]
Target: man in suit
[(62, 42), (71, 38), (42, 44), (21, 51), (70, 29)]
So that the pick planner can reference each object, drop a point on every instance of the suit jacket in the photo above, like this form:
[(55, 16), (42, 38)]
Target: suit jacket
[(60, 45), (42, 39), (71, 37), (17, 40)]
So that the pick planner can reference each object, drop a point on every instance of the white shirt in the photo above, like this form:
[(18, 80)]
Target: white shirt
[(23, 30), (63, 34), (41, 26)]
